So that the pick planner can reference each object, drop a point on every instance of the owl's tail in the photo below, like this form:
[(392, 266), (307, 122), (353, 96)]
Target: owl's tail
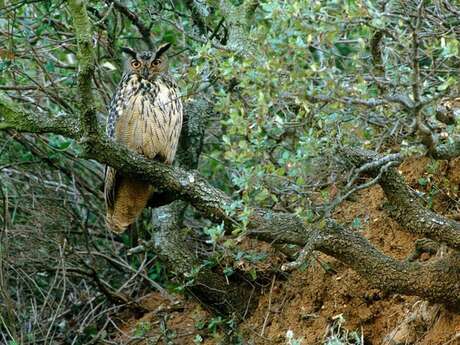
[(130, 197)]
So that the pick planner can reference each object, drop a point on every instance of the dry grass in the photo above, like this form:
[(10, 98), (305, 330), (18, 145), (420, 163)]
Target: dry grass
[(63, 277)]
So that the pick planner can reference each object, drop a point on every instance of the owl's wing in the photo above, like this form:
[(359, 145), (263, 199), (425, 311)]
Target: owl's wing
[(115, 109), (110, 173), (113, 115)]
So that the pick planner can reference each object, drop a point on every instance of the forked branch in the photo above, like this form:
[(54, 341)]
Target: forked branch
[(405, 206)]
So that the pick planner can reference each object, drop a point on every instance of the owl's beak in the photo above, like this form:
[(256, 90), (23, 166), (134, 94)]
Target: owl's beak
[(145, 73)]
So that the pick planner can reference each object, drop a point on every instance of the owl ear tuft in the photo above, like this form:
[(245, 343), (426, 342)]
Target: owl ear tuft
[(162, 49), (129, 51)]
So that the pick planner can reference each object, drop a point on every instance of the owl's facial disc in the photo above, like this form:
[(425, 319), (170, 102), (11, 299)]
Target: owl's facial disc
[(147, 64)]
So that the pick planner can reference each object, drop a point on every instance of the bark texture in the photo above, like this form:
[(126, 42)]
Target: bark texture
[(405, 207)]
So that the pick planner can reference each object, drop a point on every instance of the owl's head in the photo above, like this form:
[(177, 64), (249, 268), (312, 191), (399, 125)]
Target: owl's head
[(147, 64)]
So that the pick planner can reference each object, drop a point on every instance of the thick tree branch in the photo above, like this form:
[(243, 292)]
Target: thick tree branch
[(435, 281), (86, 66), (188, 186), (404, 205), (13, 116)]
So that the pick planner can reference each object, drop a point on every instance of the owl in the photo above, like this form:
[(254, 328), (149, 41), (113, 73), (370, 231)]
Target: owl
[(146, 116)]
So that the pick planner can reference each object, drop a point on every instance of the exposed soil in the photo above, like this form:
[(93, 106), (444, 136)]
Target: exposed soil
[(328, 299), (164, 320)]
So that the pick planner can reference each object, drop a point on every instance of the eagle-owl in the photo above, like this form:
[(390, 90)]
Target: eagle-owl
[(146, 116)]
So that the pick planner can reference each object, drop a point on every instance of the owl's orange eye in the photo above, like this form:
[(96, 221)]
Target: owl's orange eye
[(156, 62), (135, 64)]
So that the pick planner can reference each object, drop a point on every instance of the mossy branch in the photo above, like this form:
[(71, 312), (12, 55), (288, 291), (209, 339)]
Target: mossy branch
[(13, 116), (86, 67)]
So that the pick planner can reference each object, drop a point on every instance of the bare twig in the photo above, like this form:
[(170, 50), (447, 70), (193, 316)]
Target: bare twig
[(196, 38), (401, 99), (304, 254), (383, 163), (269, 307)]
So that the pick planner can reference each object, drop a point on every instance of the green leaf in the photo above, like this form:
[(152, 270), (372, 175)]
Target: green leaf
[(422, 181)]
